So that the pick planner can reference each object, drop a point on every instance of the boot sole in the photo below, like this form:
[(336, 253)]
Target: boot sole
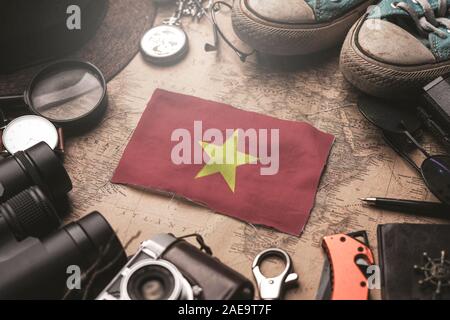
[(290, 39), (381, 79)]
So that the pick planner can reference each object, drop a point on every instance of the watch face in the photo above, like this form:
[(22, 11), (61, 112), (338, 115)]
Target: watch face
[(27, 131), (164, 43)]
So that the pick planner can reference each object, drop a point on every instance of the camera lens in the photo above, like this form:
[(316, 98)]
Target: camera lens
[(38, 165), (29, 214), (151, 283), (151, 289), (155, 280)]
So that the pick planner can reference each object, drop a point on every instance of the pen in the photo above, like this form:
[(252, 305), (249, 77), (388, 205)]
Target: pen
[(418, 208)]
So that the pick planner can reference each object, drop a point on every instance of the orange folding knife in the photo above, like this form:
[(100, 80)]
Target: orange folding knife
[(344, 273)]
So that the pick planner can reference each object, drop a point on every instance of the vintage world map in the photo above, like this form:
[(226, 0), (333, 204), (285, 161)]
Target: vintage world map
[(307, 89)]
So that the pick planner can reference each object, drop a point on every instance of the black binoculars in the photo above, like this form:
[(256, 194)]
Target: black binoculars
[(37, 258)]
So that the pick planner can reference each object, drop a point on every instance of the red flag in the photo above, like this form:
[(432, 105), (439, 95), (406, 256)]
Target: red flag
[(243, 164)]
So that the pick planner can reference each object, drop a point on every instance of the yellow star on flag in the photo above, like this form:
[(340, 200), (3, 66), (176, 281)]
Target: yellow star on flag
[(225, 159)]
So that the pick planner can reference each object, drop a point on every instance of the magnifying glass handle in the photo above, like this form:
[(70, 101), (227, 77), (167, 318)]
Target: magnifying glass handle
[(12, 102), (17, 98)]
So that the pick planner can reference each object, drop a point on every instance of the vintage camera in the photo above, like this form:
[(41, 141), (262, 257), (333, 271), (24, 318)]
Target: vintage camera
[(170, 268)]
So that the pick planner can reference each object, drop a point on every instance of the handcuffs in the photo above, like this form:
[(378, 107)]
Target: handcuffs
[(273, 288)]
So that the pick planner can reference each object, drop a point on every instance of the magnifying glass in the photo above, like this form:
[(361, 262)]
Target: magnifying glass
[(72, 94)]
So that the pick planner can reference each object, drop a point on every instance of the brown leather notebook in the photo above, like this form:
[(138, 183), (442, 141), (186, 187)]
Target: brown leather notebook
[(414, 261)]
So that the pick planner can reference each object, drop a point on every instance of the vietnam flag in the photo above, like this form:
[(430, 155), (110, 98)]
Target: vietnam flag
[(246, 165)]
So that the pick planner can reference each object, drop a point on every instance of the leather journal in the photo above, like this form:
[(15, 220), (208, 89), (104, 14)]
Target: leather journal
[(414, 261)]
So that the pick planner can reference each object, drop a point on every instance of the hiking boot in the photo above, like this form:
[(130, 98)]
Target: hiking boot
[(295, 27), (397, 47)]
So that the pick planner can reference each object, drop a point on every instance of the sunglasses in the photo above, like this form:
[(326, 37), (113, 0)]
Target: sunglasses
[(401, 129)]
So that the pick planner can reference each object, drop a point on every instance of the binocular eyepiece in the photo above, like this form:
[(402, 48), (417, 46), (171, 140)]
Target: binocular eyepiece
[(37, 166)]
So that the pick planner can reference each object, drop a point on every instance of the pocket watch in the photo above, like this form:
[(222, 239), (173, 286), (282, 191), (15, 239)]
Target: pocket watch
[(164, 44), (167, 43)]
